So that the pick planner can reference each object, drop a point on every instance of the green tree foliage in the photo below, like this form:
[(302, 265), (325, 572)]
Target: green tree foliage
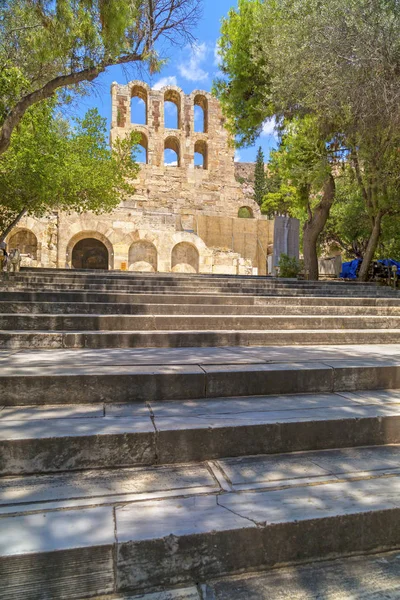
[(349, 225), (297, 169), (250, 65), (51, 44), (259, 178), (338, 61), (53, 165), (242, 90), (389, 243), (298, 172)]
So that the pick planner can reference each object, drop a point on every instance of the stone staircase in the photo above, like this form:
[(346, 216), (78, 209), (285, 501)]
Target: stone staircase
[(163, 431), (70, 309)]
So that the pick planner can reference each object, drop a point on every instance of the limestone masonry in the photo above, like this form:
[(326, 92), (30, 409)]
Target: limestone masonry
[(182, 217)]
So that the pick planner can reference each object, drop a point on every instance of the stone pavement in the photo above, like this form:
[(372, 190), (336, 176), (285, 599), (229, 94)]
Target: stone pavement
[(128, 470)]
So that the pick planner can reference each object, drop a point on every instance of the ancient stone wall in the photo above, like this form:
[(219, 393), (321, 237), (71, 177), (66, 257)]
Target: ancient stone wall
[(152, 242), (250, 238), (181, 218), (184, 188)]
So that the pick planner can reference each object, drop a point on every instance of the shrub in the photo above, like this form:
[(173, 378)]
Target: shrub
[(289, 266)]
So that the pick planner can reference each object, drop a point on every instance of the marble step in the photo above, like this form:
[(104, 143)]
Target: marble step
[(188, 322), (43, 439), (198, 287), (131, 531), (84, 297), (17, 339), (105, 487), (90, 308), (174, 281), (92, 376)]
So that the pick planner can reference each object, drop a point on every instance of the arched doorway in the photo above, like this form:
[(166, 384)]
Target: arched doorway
[(90, 253)]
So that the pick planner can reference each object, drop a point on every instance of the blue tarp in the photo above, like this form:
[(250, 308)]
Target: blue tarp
[(349, 269), (389, 262)]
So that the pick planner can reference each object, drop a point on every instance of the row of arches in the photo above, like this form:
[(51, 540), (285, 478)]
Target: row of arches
[(91, 253), (172, 152), (172, 109)]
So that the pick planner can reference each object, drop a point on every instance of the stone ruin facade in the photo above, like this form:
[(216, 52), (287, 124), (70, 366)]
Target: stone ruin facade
[(185, 217)]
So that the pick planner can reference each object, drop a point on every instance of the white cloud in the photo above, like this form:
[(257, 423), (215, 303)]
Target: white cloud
[(217, 58), (165, 81), (269, 128), (191, 68), (238, 156), (171, 164)]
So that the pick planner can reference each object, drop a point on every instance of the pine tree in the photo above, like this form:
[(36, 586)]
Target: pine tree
[(259, 178)]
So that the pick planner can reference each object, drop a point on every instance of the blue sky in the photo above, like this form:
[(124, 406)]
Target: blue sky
[(189, 68)]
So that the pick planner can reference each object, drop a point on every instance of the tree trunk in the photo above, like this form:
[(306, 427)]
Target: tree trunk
[(371, 247), (314, 226), (15, 222)]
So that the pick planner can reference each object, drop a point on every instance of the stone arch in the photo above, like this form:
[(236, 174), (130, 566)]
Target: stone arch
[(201, 148), (173, 143), (245, 212), (143, 256), (201, 102), (142, 155), (25, 240), (140, 92), (90, 235), (175, 97), (185, 258)]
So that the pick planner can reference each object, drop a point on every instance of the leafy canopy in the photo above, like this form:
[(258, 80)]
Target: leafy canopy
[(53, 165), (337, 61), (51, 44), (244, 64), (297, 169)]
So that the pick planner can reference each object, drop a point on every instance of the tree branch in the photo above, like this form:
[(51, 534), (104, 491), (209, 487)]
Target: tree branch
[(11, 226), (47, 90), (357, 170)]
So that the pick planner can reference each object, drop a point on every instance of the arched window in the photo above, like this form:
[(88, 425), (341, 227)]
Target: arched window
[(138, 105), (141, 151), (172, 110), (143, 257), (201, 114), (245, 212), (185, 258), (25, 241), (172, 152), (200, 155)]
